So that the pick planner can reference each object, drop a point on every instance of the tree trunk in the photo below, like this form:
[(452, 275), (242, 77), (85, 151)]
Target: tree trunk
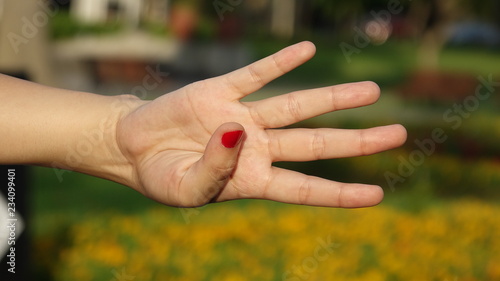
[(439, 14), (283, 18)]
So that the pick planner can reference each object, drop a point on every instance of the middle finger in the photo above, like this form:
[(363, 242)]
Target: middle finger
[(315, 144)]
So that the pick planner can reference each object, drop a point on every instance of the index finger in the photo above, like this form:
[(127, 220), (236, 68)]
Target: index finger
[(251, 78)]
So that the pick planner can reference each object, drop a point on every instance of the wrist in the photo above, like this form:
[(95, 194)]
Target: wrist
[(94, 150)]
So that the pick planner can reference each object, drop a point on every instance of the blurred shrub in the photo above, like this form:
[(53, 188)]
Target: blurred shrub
[(63, 25)]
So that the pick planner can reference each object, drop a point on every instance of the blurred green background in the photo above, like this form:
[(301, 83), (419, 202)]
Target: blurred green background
[(439, 219)]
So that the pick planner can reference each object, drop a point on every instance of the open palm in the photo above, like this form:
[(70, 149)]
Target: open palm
[(174, 142)]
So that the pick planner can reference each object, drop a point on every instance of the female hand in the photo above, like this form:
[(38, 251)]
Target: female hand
[(200, 144)]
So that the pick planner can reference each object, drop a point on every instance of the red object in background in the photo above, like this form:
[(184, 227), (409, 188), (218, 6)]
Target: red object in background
[(128, 71), (230, 29), (439, 86), (183, 21)]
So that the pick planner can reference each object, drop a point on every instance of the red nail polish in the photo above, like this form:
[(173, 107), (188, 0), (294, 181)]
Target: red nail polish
[(231, 139)]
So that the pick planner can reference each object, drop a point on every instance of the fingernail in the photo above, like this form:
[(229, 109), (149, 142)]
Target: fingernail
[(231, 139)]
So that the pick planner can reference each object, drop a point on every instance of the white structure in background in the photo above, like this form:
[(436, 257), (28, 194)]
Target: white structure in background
[(90, 11), (156, 10), (283, 12), (131, 11)]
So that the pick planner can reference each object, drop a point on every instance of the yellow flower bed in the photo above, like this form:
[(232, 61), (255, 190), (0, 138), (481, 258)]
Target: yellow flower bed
[(266, 241)]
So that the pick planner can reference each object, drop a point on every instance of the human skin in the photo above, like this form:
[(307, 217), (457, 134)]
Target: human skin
[(199, 144)]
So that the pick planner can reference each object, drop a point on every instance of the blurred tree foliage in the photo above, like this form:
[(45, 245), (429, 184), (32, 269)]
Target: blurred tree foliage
[(486, 9), (337, 11), (425, 20)]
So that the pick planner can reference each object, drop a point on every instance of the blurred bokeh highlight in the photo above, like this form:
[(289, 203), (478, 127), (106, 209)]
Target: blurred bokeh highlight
[(437, 63)]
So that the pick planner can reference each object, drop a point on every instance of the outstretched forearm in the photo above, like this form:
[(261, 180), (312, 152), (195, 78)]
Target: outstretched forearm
[(63, 129)]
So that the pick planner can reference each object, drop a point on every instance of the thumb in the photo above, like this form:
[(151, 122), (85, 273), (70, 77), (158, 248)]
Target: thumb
[(215, 168)]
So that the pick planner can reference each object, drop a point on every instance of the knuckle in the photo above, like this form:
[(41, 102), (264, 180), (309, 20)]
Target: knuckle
[(293, 107), (318, 145), (333, 99), (220, 175), (304, 192), (340, 197), (363, 143), (256, 77), (278, 65), (273, 144), (257, 116), (218, 178)]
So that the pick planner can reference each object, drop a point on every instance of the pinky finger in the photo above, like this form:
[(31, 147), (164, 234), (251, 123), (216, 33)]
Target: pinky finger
[(296, 188)]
